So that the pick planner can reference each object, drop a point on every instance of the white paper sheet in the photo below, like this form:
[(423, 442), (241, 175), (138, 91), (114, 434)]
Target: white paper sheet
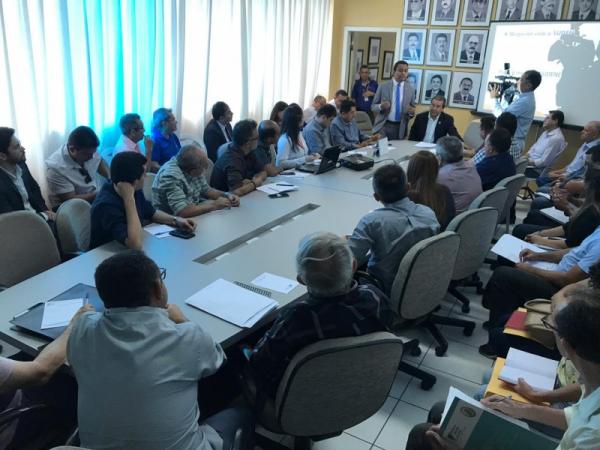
[(60, 312), (510, 247), (158, 230), (275, 188), (555, 214), (357, 152), (425, 145), (275, 283), (232, 303), (294, 174)]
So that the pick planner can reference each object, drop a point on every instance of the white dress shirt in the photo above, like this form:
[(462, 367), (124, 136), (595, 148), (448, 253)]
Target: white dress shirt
[(430, 132), (547, 148)]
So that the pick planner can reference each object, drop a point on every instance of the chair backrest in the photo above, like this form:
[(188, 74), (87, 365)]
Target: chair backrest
[(27, 247), (471, 135), (364, 122), (476, 228), (334, 384), (514, 185), (73, 225), (494, 198), (148, 181), (424, 275), (521, 164)]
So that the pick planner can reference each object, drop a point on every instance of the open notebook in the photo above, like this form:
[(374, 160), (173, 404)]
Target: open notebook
[(510, 247), (537, 371)]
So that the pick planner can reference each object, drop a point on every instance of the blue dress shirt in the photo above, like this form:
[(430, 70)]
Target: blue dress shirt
[(164, 147), (346, 134), (524, 109)]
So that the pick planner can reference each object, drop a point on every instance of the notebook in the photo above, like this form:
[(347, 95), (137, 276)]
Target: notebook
[(555, 214), (517, 320), (537, 371), (510, 247), (498, 387)]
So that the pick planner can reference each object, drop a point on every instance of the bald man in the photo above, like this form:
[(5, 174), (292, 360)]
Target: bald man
[(180, 187), (268, 134)]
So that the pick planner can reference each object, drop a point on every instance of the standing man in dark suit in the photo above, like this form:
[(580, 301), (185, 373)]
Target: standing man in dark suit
[(394, 104), (584, 12), (432, 125), (218, 131), (18, 189), (470, 55)]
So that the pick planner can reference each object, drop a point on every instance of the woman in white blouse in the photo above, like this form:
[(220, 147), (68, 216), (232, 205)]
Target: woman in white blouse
[(292, 150)]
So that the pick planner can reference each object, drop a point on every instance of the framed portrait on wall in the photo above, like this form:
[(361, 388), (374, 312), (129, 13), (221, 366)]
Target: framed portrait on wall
[(435, 82), (358, 61), (439, 47), (374, 73), (511, 10), (464, 90), (471, 48), (374, 48), (416, 12), (583, 10), (413, 45), (445, 12), (477, 13), (388, 63), (414, 79), (547, 9)]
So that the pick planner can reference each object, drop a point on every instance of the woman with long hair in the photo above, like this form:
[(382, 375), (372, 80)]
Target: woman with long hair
[(292, 150), (422, 174), (277, 112)]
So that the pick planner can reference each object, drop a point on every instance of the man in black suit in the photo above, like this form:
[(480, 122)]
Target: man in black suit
[(432, 125), (218, 131), (584, 12), (18, 189), (470, 55)]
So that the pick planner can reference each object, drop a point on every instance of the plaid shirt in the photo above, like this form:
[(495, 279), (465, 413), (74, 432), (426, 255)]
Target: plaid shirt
[(364, 309), (173, 190)]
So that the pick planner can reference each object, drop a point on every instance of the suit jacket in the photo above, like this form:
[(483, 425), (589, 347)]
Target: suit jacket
[(457, 98), (439, 14), (539, 15), (439, 92), (406, 54), (471, 16), (385, 93), (214, 138), (516, 14), (464, 58), (590, 16), (11, 200), (444, 127)]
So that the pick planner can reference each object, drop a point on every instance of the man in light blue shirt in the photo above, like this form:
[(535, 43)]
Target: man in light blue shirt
[(523, 107), (316, 133), (548, 147), (345, 131), (138, 365)]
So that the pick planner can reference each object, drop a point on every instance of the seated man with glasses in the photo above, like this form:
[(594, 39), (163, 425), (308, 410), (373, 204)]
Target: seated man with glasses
[(138, 364), (132, 129), (71, 170), (120, 209)]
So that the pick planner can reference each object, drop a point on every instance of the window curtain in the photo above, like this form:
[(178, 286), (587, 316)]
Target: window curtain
[(65, 63)]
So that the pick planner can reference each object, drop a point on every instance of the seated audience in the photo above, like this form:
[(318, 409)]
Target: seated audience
[(132, 129), (486, 125), (383, 236), (497, 164), (120, 209), (432, 125), (218, 131), (310, 112), (180, 187), (237, 170), (549, 145), (18, 189), (292, 150), (166, 143), (422, 174), (277, 112), (364, 90), (71, 170), (456, 174), (509, 122), (338, 98), (268, 134), (344, 129), (336, 306), (317, 131), (143, 339)]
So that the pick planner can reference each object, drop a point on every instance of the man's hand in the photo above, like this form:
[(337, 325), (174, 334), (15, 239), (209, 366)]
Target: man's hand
[(80, 311), (258, 180), (385, 106), (505, 405), (314, 157), (185, 224), (411, 110), (437, 441), (125, 190), (221, 202), (368, 94), (495, 91), (234, 200), (175, 313), (523, 388), (51, 215), (528, 255)]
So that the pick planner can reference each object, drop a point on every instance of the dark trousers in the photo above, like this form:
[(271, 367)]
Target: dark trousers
[(228, 421), (509, 288), (523, 229), (416, 438), (532, 172)]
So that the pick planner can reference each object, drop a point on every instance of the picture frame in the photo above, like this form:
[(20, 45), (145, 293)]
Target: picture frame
[(477, 13), (471, 49), (413, 45), (440, 45), (414, 78), (388, 63), (435, 82), (574, 11), (374, 73), (374, 50), (517, 9), (547, 10), (463, 94), (445, 12), (416, 12), (358, 61)]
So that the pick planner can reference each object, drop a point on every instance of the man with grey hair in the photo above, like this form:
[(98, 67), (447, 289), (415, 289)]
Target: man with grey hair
[(336, 306), (132, 129), (456, 174), (180, 187)]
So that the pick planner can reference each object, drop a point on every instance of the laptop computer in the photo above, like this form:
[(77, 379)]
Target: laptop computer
[(329, 161)]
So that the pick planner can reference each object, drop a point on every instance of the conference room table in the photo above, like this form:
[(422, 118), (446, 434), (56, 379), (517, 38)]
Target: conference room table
[(236, 244)]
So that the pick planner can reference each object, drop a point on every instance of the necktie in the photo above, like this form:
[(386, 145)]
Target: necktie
[(398, 104), (443, 56), (464, 98), (470, 58), (413, 55), (227, 133), (507, 15)]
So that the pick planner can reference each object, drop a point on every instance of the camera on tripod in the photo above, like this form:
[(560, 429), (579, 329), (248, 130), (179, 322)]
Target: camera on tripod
[(506, 84)]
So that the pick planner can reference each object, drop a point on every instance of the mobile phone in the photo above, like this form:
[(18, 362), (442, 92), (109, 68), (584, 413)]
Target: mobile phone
[(182, 234), (279, 195)]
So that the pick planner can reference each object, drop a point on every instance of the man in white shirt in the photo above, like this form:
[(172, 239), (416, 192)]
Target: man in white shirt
[(311, 111), (132, 129), (549, 145)]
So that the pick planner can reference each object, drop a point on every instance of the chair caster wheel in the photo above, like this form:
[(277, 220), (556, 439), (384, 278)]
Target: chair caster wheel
[(468, 331), (440, 351), (465, 308), (427, 384), (415, 351)]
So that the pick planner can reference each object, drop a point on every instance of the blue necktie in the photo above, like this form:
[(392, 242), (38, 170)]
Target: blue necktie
[(398, 105)]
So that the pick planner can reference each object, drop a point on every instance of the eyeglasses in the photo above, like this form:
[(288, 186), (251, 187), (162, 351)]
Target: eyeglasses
[(86, 174), (163, 273), (547, 324)]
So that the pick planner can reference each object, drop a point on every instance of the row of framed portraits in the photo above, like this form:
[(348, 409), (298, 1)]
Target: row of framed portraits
[(461, 89), (477, 13)]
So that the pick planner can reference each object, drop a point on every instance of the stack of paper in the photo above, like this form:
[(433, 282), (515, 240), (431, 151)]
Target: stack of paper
[(555, 214), (158, 230), (232, 303), (537, 371), (276, 188), (425, 145), (59, 313), (275, 283)]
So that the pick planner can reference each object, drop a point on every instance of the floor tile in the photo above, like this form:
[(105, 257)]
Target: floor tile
[(460, 360), (439, 392), (395, 432), (400, 382), (342, 442), (370, 428), (455, 334)]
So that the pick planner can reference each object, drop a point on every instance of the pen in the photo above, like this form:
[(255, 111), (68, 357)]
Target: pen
[(283, 184), (288, 173)]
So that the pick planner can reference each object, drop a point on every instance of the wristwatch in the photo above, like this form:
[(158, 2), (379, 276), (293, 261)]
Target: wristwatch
[(174, 221)]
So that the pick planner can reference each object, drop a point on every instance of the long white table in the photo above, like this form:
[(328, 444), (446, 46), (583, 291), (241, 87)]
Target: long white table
[(261, 235)]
